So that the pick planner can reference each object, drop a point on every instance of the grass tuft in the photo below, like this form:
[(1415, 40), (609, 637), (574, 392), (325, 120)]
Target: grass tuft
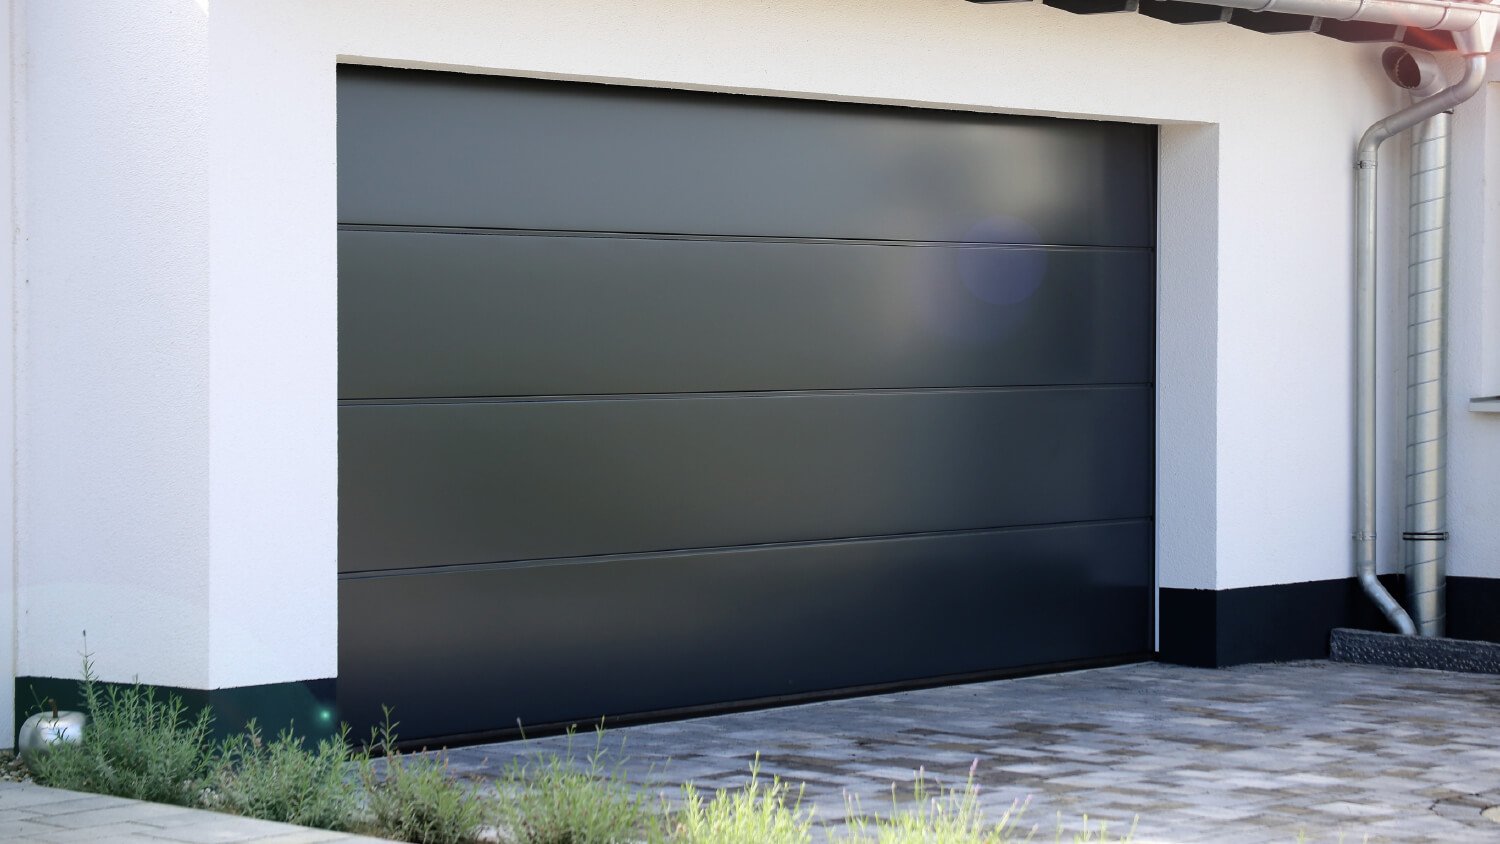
[(414, 798), (551, 800), (283, 780), (954, 815), (754, 814)]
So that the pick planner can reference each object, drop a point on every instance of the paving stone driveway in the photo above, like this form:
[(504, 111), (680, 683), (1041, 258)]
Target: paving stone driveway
[(1256, 753)]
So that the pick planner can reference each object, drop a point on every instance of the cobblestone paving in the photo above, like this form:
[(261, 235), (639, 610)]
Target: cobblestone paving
[(1326, 751), (32, 813)]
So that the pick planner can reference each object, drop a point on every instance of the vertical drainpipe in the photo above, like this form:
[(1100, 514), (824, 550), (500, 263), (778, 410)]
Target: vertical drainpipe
[(1425, 537), (1474, 44)]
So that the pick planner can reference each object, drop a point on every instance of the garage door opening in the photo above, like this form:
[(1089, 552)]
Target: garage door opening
[(657, 401)]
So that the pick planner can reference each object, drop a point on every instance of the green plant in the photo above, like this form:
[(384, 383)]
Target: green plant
[(139, 746), (414, 798), (285, 780), (947, 815), (1100, 834), (550, 800), (135, 745), (753, 814)]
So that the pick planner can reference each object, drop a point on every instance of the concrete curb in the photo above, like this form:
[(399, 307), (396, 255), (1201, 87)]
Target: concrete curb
[(1365, 647), (36, 813)]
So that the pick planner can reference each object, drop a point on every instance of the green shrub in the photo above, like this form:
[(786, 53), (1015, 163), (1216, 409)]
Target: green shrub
[(286, 781), (414, 799), (549, 800), (753, 814), (134, 745)]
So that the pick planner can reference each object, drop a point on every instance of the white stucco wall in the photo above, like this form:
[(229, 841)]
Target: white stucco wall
[(178, 436), (1270, 463), (1474, 337), (112, 382)]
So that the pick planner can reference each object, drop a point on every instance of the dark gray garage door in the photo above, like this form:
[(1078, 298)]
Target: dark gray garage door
[(654, 400)]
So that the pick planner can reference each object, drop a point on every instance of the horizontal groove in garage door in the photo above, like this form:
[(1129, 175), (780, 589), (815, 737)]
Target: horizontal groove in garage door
[(451, 149), (558, 644), (436, 315), (602, 559), (480, 231), (746, 394), (460, 483)]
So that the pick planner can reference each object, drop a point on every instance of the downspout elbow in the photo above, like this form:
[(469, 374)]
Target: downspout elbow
[(1388, 606), (1444, 100)]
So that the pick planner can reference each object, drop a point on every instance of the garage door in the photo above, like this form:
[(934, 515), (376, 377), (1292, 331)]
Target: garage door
[(655, 401)]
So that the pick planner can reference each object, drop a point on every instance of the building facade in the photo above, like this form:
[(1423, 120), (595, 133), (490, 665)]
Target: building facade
[(181, 211)]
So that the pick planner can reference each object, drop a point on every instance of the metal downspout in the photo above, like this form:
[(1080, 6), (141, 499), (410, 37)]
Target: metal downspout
[(1424, 539), (1364, 260)]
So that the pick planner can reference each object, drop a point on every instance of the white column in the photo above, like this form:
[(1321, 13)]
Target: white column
[(1187, 356), (273, 446), (112, 349)]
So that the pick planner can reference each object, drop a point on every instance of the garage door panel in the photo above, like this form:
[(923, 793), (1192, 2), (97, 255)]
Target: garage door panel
[(655, 399), (562, 643), (429, 314), (455, 150), (473, 482)]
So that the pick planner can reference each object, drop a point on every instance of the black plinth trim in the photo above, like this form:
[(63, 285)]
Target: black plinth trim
[(307, 707), (1288, 621), (1474, 608)]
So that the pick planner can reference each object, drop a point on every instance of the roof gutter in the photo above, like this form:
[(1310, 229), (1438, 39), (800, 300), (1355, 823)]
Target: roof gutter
[(1477, 20)]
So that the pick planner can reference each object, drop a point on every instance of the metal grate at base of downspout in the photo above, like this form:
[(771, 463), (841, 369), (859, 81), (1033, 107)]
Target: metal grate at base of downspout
[(1366, 647)]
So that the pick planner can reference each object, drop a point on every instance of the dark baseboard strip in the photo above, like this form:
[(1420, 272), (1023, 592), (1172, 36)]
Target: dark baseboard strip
[(1290, 621), (308, 707), (1280, 623), (1364, 647), (1474, 608)]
